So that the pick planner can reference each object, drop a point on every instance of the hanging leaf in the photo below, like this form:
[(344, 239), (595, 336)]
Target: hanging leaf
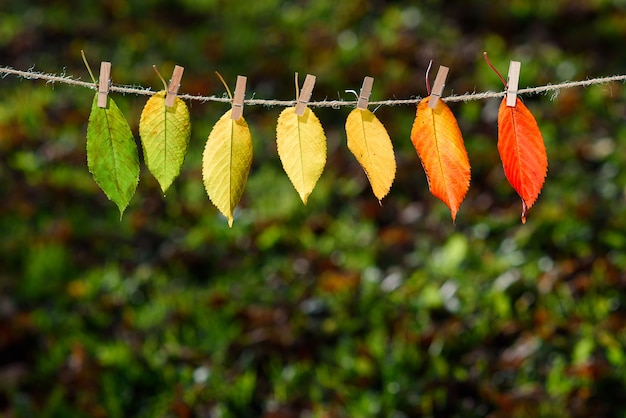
[(439, 143), (522, 151), (164, 133), (369, 141), (112, 153), (226, 163), (301, 144)]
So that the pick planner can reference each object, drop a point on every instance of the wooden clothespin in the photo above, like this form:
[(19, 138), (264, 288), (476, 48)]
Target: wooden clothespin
[(512, 83), (440, 82), (240, 92), (174, 86), (364, 95), (104, 84), (305, 94)]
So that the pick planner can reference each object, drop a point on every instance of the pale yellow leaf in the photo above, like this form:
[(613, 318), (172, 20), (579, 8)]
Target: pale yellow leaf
[(226, 163), (301, 144), (369, 141)]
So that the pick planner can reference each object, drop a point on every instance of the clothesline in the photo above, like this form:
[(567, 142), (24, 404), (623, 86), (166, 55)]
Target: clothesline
[(53, 78)]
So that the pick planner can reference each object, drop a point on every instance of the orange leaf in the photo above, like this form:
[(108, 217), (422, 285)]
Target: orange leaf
[(522, 151), (439, 143)]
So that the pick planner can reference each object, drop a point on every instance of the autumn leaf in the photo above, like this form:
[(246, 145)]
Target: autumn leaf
[(439, 143), (164, 133), (112, 153), (522, 151), (369, 141), (301, 144), (226, 163)]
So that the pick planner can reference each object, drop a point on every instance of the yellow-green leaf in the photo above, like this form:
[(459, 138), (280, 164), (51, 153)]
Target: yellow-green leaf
[(226, 163), (301, 145), (112, 153), (164, 133), (369, 141)]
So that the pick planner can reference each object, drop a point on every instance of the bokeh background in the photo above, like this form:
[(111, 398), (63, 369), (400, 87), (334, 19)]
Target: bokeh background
[(343, 307)]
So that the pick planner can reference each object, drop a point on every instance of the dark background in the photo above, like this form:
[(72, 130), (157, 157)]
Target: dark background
[(343, 307)]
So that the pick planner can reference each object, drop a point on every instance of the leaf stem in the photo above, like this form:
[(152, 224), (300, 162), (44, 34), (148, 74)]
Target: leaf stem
[(88, 67), (297, 88), (430, 64), (160, 76), (225, 85), (493, 68)]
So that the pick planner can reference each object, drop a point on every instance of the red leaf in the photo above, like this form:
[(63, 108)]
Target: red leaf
[(522, 151)]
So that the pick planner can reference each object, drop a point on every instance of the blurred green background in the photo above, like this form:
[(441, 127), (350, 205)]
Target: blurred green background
[(343, 307)]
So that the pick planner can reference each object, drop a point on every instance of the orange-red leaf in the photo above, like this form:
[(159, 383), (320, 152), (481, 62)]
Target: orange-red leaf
[(522, 151), (439, 143)]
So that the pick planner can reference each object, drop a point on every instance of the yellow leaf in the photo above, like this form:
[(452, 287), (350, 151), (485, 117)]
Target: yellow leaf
[(164, 136), (226, 163), (301, 144), (369, 141)]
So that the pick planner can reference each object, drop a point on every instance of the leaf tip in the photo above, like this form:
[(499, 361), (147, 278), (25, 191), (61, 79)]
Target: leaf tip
[(380, 194), (164, 184), (230, 221)]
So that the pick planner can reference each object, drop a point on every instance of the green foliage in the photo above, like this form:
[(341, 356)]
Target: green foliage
[(112, 153), (343, 307)]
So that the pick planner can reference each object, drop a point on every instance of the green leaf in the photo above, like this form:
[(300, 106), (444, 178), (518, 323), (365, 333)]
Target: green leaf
[(226, 163), (165, 134), (112, 153)]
